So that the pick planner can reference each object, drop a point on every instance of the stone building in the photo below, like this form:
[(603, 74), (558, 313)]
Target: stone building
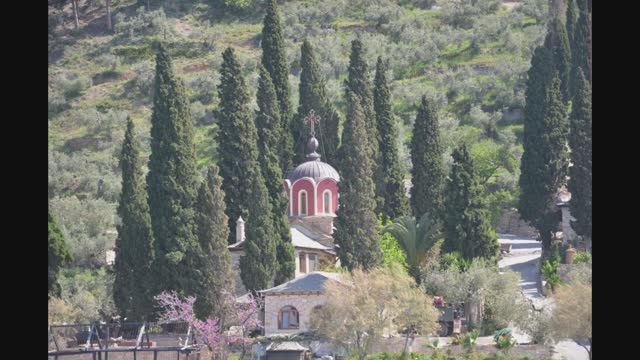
[(288, 307)]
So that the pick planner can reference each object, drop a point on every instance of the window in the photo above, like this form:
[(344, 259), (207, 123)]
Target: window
[(313, 262), (302, 205), (303, 262), (288, 318), (327, 202)]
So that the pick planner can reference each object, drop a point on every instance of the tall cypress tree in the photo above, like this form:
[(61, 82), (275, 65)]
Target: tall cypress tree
[(134, 244), (428, 173), (396, 203), (358, 82), (467, 224), (580, 48), (570, 23), (258, 265), (172, 182), (274, 59), (580, 182), (356, 224), (215, 263), (243, 184), (557, 42), (544, 161), (58, 255), (235, 149), (267, 122), (313, 96)]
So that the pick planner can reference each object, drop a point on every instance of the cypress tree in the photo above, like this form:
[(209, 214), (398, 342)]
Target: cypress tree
[(356, 224), (313, 96), (557, 42), (428, 173), (580, 49), (358, 82), (267, 122), (544, 161), (467, 222), (396, 203), (58, 255), (572, 18), (235, 149), (172, 182), (243, 184), (134, 244), (580, 181), (258, 265), (274, 59), (217, 277)]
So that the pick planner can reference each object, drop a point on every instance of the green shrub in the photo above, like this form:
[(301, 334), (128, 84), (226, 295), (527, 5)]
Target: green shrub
[(72, 84), (57, 102), (582, 257), (504, 340), (133, 53), (550, 272), (470, 339)]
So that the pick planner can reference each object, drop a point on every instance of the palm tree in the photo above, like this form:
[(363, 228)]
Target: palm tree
[(415, 238)]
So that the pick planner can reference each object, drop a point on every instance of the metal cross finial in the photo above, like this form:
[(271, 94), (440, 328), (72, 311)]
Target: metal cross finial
[(311, 120)]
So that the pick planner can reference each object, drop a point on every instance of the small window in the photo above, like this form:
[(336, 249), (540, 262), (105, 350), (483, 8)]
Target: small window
[(288, 318), (303, 203), (327, 202), (313, 263)]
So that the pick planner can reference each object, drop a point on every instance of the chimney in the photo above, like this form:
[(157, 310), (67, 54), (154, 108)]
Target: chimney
[(239, 229)]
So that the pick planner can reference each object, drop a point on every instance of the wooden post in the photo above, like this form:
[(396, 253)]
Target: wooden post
[(155, 354)]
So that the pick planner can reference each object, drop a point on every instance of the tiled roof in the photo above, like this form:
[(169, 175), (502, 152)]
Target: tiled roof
[(311, 282), (286, 346), (300, 239)]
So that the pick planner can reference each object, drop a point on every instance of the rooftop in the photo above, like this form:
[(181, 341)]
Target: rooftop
[(313, 281)]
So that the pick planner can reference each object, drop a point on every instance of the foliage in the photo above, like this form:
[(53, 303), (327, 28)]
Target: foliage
[(580, 49), (217, 277), (579, 272), (358, 83), (86, 296), (428, 173), (580, 141), (134, 244), (416, 239), (501, 293), (356, 224), (58, 255), (462, 13), (313, 96), (269, 137), (361, 304), (557, 43), (143, 22), (88, 227), (572, 315), (392, 252), (213, 332), (172, 182), (504, 340), (544, 161), (550, 272), (71, 84), (274, 61), (582, 257), (466, 221), (470, 339), (394, 194)]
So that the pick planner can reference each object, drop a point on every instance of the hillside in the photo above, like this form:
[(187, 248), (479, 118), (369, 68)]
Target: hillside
[(471, 59)]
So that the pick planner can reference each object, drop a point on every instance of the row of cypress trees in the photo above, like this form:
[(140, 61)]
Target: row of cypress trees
[(557, 114)]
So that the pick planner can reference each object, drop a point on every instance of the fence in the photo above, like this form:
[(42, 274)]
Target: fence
[(122, 341)]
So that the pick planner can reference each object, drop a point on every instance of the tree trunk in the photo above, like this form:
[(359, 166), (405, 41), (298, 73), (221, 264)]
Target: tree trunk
[(109, 25), (74, 3)]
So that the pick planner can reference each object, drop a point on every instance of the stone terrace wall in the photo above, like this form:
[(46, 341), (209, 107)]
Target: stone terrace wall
[(511, 223)]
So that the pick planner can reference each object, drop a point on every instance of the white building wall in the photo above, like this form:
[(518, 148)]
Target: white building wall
[(303, 303)]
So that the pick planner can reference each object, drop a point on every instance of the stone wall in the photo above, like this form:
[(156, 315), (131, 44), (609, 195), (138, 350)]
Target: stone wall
[(511, 223), (303, 303)]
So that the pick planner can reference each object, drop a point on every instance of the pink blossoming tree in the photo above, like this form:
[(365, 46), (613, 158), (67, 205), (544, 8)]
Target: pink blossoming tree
[(242, 318)]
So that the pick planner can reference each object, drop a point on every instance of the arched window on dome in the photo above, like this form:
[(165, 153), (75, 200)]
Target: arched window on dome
[(326, 201), (302, 202)]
